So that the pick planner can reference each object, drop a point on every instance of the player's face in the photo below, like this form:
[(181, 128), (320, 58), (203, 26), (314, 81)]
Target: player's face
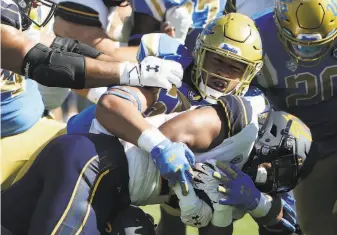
[(224, 73)]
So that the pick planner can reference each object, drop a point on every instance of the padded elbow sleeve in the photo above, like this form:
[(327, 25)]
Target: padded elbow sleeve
[(70, 45), (54, 68)]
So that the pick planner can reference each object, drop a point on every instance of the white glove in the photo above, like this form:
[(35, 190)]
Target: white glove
[(194, 211), (152, 72), (181, 20), (203, 180)]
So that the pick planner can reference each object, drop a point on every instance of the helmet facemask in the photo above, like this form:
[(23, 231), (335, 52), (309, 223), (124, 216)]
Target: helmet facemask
[(307, 30), (203, 77), (26, 7), (236, 43), (277, 156)]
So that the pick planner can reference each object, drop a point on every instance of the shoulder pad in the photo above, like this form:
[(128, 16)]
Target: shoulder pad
[(237, 112)]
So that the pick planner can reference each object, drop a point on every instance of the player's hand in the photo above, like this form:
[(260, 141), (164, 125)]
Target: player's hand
[(203, 180), (287, 225), (174, 161), (181, 20), (238, 188), (163, 46), (166, 28), (194, 211), (152, 72)]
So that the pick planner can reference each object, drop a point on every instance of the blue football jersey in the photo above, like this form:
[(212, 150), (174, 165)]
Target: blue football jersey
[(307, 92), (202, 11)]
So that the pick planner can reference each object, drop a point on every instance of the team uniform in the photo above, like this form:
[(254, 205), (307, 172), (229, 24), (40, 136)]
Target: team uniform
[(22, 111), (97, 13), (105, 175), (166, 102), (308, 93), (201, 12)]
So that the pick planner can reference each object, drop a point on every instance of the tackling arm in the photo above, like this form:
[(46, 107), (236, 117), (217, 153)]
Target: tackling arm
[(121, 110), (24, 56), (200, 129), (52, 67), (96, 37)]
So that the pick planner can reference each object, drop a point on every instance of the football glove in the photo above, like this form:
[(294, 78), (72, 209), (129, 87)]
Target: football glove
[(203, 180), (174, 161), (194, 211), (152, 72), (238, 188)]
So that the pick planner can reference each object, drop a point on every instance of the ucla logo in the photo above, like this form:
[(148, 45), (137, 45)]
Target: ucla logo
[(209, 28), (230, 48)]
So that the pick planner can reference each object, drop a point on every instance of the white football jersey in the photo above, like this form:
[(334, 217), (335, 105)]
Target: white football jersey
[(241, 128)]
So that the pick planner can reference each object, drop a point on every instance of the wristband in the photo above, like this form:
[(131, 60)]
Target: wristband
[(128, 74), (272, 214), (149, 139), (262, 208)]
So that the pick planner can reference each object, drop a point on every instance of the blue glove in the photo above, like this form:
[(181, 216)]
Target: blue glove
[(239, 189), (174, 161), (287, 225)]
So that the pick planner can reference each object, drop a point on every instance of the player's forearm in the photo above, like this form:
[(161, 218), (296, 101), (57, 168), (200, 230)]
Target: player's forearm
[(14, 46), (101, 73), (197, 128), (116, 115), (17, 48), (119, 54), (125, 54), (269, 212), (96, 37)]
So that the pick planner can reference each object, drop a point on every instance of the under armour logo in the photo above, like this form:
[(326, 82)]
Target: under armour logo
[(196, 220), (156, 68), (245, 191)]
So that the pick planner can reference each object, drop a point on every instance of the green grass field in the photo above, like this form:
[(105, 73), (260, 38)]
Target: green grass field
[(245, 226)]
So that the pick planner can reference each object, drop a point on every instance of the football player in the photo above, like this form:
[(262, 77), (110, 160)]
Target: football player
[(177, 18), (299, 76), (218, 69), (213, 58), (183, 19), (98, 180), (54, 65)]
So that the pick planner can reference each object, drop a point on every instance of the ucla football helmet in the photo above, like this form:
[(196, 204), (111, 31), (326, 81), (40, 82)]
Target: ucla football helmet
[(235, 37), (283, 143), (307, 29)]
